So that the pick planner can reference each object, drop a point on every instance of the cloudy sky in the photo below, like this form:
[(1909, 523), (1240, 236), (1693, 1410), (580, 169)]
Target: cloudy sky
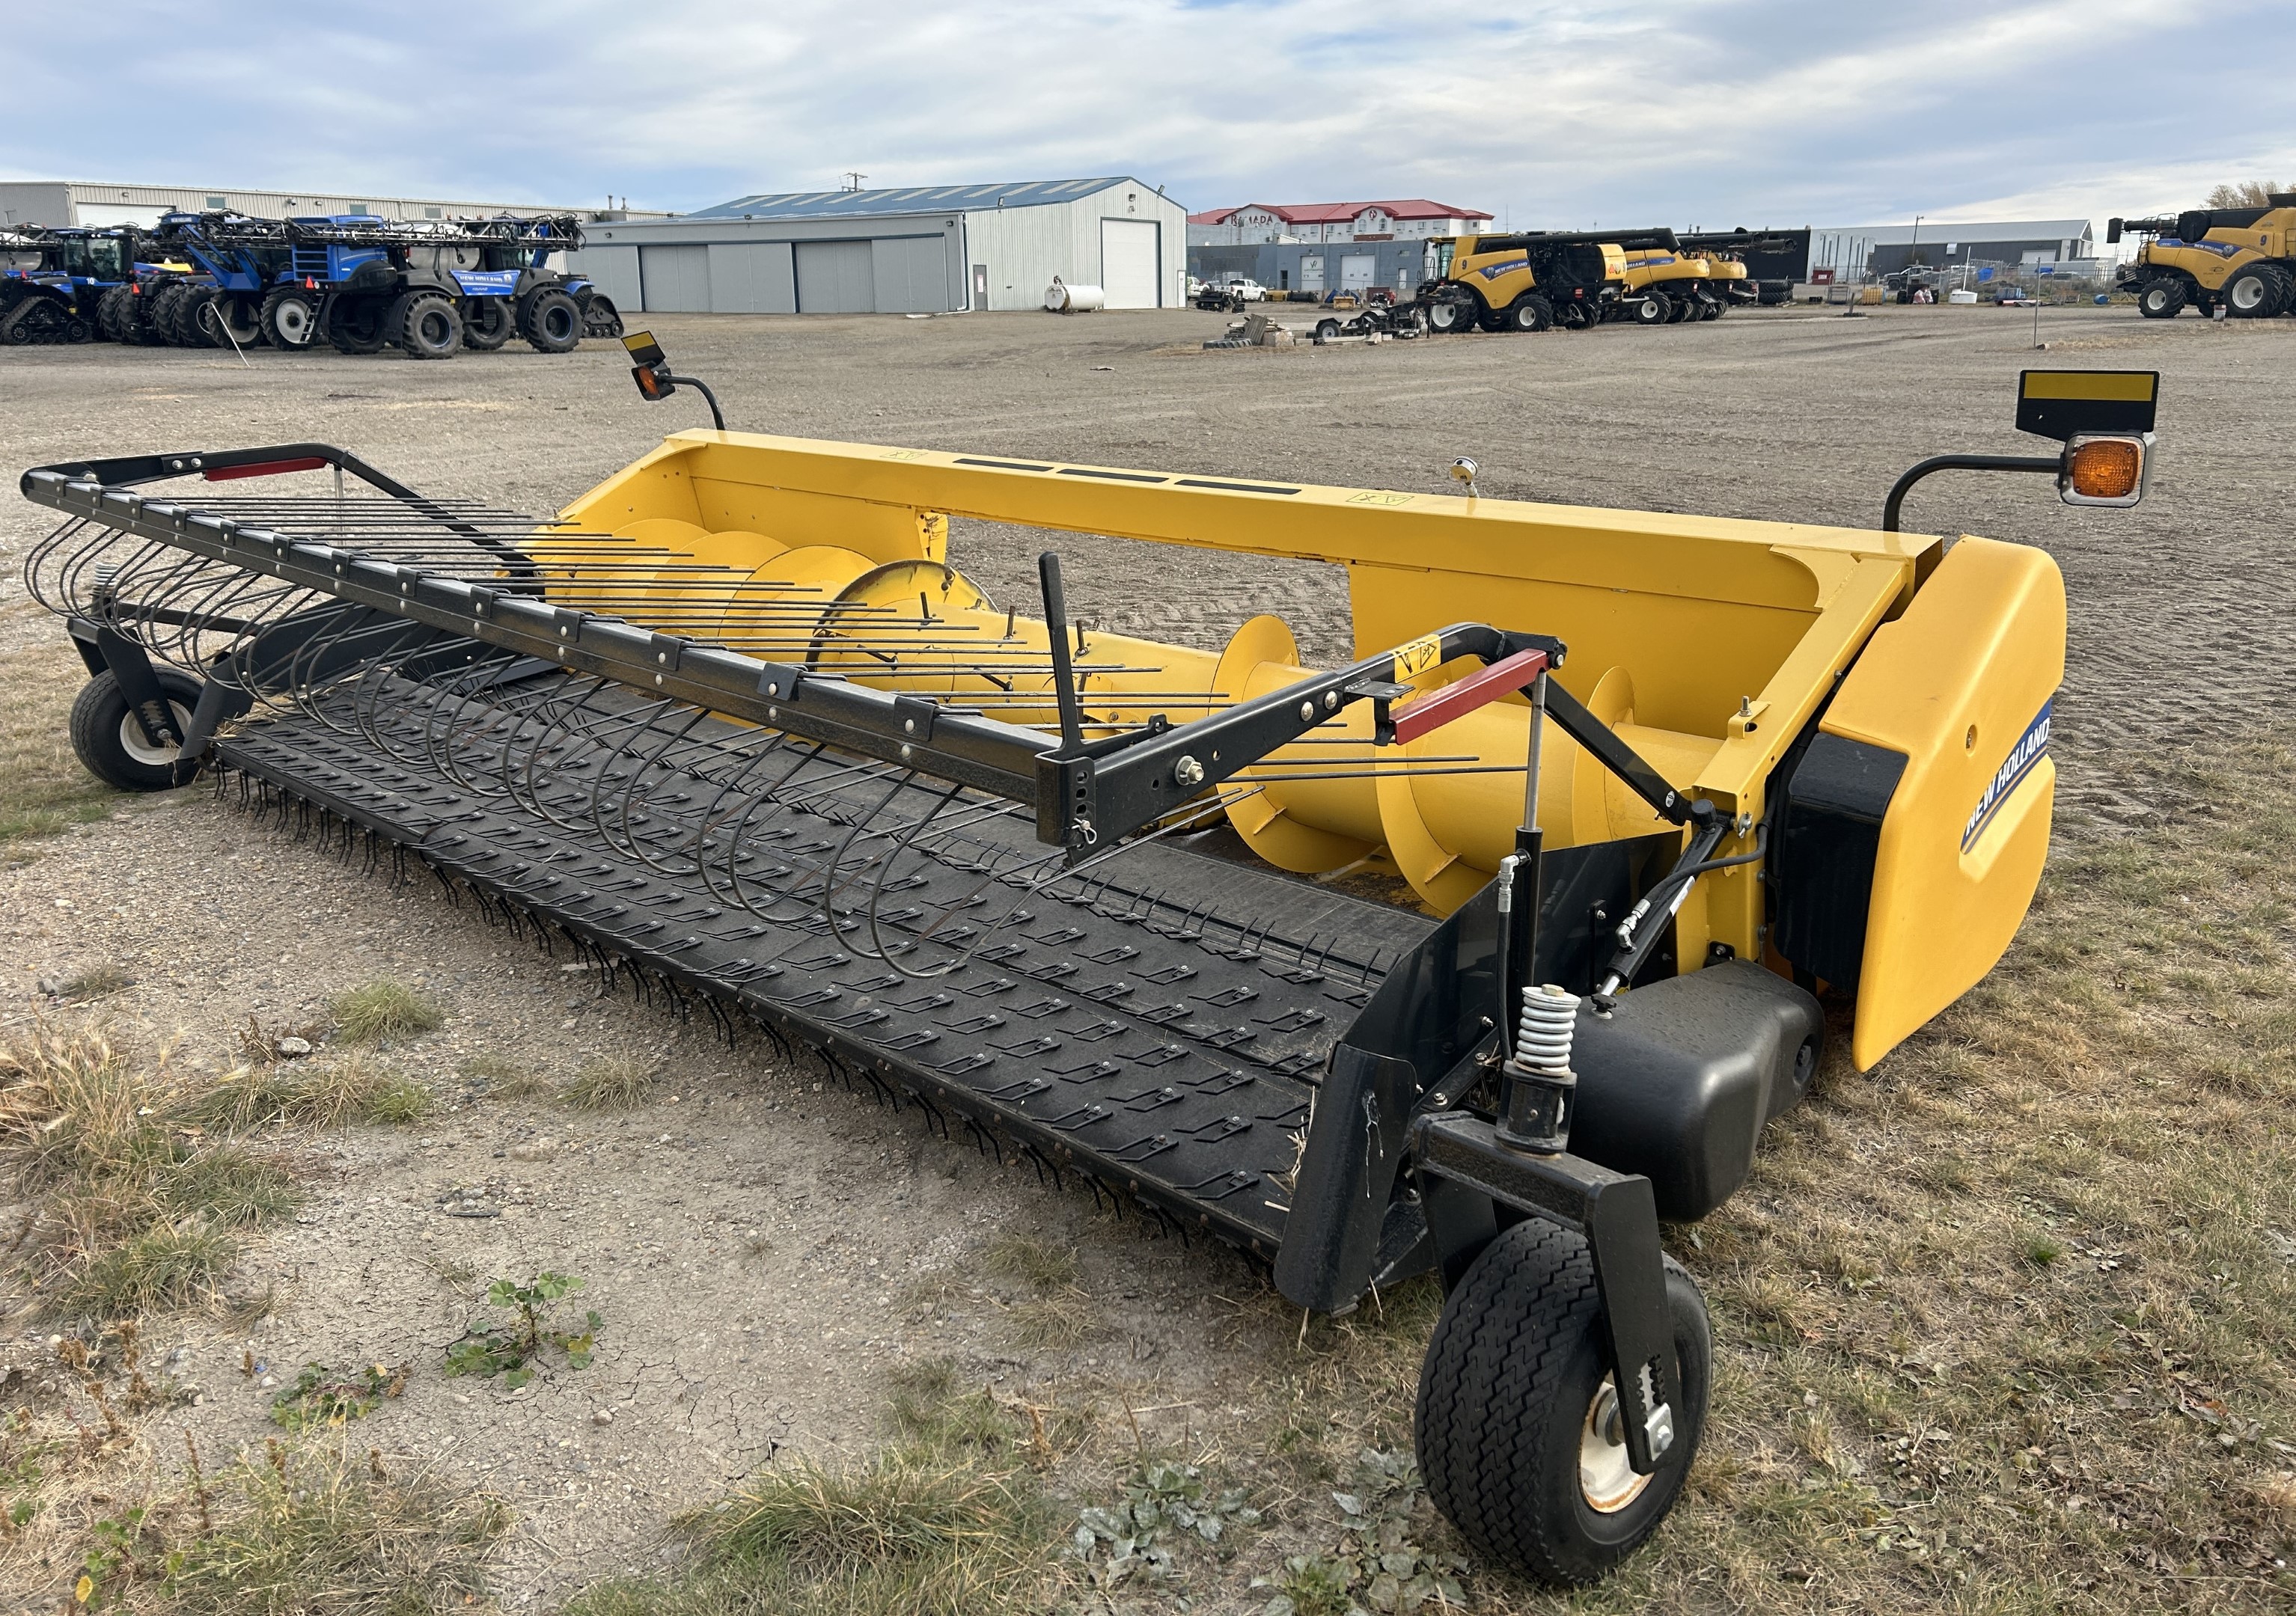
[(1708, 112)]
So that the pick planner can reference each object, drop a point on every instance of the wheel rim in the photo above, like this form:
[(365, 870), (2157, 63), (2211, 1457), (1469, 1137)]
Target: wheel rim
[(1607, 1479), (558, 321), (434, 327), (2247, 294), (293, 321), (132, 741)]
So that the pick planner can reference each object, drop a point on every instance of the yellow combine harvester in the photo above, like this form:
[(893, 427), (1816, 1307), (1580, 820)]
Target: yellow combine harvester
[(1530, 281), (2243, 258), (1640, 787), (1665, 285)]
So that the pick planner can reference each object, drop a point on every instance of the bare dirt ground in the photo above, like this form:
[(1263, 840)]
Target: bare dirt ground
[(767, 1250)]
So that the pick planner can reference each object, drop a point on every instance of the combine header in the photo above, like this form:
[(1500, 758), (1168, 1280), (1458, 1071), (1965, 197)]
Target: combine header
[(1641, 787)]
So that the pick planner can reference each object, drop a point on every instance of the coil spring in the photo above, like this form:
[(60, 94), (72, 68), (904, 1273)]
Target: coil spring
[(1543, 1030)]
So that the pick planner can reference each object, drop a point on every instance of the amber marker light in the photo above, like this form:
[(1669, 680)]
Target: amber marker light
[(2103, 469)]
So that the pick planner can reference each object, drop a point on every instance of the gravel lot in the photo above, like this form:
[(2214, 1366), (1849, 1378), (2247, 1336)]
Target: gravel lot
[(763, 1248)]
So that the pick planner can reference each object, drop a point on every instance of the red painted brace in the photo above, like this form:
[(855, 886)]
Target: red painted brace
[(1503, 677)]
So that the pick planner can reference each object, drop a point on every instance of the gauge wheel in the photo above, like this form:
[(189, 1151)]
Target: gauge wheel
[(1518, 1429), (112, 744)]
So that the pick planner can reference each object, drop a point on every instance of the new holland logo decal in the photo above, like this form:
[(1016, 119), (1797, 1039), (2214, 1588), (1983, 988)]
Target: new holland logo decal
[(2031, 747)]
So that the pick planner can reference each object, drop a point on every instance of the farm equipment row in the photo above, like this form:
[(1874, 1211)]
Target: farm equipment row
[(1534, 281), (357, 283), (1637, 787)]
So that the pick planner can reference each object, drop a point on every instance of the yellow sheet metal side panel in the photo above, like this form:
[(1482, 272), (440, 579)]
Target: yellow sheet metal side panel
[(1961, 684), (1705, 556)]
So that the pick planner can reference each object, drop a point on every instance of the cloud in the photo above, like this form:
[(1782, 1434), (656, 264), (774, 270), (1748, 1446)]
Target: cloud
[(1709, 111)]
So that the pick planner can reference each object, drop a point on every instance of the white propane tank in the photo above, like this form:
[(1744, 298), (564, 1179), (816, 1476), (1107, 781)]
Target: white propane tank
[(1061, 298)]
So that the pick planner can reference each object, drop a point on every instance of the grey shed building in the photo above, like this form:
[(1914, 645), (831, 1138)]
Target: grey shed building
[(914, 249)]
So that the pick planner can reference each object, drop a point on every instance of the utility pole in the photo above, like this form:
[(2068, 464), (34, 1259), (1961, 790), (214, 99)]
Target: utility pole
[(852, 180)]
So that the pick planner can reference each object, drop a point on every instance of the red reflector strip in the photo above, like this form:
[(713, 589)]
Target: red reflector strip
[(267, 468), (1503, 677)]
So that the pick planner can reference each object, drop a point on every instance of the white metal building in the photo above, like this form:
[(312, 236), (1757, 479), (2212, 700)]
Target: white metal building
[(1859, 249), (68, 202), (914, 249)]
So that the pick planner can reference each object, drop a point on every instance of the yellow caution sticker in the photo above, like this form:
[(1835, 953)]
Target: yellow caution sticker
[(1379, 498), (903, 455), (1418, 656)]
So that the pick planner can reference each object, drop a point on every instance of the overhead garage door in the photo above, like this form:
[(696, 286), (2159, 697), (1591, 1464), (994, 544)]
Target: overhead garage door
[(614, 271), (911, 274), (752, 278), (836, 278), (1355, 272), (1128, 263), (675, 279)]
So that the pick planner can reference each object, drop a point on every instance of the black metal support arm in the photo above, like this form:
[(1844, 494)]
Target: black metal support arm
[(1470, 1182), (2051, 464), (1085, 800), (717, 415)]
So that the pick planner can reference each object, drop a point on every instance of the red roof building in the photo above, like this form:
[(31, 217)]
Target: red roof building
[(1407, 218)]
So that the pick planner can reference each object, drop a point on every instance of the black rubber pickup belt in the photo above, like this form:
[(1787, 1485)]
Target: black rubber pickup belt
[(1160, 1029)]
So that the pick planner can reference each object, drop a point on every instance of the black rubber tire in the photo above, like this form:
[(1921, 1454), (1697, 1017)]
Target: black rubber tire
[(1578, 315), (1449, 316), (296, 339), (426, 325), (76, 329), (2285, 288), (1678, 309), (98, 716), (1326, 329), (16, 330), (1652, 310), (2162, 298), (188, 327), (113, 313), (551, 320), (1709, 311), (487, 324), (1515, 1367), (357, 325), (2253, 292), (1529, 313), (159, 308)]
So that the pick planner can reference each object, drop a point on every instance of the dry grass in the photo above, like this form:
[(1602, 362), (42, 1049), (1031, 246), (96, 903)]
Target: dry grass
[(311, 1530), (384, 1011), (128, 1209), (97, 981), (946, 1521), (1040, 1264), (611, 1083), (43, 789), (312, 1093), (2007, 1324), (502, 1078)]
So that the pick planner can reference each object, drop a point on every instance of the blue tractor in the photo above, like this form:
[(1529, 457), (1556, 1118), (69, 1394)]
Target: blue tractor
[(240, 261), (364, 283), (52, 281)]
